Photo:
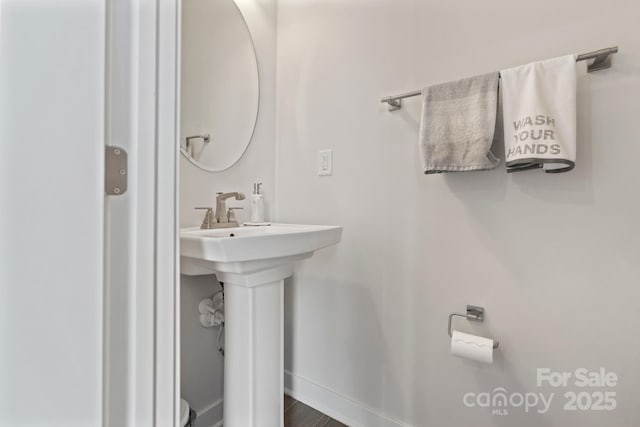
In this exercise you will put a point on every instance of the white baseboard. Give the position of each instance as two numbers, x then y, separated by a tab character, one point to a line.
210	416
339	407
336	405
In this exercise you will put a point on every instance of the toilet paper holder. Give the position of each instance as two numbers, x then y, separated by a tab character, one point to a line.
473	313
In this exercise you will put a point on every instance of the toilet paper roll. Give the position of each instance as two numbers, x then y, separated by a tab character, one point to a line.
472	347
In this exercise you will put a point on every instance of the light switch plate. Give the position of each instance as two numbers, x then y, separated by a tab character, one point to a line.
325	162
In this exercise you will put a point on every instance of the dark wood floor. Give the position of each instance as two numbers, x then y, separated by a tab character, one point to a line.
297	414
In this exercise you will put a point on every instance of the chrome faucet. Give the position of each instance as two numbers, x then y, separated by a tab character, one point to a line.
222	217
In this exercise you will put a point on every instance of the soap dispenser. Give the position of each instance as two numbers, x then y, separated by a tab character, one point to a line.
257	204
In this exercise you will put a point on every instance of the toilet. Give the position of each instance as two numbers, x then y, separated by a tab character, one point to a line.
186	419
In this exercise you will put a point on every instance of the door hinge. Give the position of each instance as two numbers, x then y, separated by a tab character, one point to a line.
115	183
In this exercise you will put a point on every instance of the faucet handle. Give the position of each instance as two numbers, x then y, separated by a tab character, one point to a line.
208	220
231	216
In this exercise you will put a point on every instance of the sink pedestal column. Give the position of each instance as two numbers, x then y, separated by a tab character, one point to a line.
253	361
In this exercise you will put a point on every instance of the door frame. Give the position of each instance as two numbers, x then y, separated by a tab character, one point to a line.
141	375
167	304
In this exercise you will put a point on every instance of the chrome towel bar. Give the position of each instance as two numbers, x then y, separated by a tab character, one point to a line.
602	61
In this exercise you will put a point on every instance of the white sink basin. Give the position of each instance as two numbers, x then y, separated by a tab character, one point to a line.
244	250
253	262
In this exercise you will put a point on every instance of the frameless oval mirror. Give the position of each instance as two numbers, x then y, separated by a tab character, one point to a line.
219	84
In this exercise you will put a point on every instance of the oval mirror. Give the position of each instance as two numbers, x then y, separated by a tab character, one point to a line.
219	84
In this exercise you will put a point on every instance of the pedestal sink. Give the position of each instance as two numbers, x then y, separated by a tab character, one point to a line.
253	262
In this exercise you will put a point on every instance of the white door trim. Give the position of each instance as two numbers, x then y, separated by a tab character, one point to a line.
141	340
167	396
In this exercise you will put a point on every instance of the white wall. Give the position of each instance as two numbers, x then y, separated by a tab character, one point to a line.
201	365
51	215
197	187
552	258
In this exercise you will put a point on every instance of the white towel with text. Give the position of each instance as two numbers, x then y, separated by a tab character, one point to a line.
539	112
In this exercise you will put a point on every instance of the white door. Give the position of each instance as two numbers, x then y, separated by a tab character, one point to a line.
87	283
52	86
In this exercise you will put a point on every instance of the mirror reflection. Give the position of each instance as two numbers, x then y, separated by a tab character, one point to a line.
219	84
